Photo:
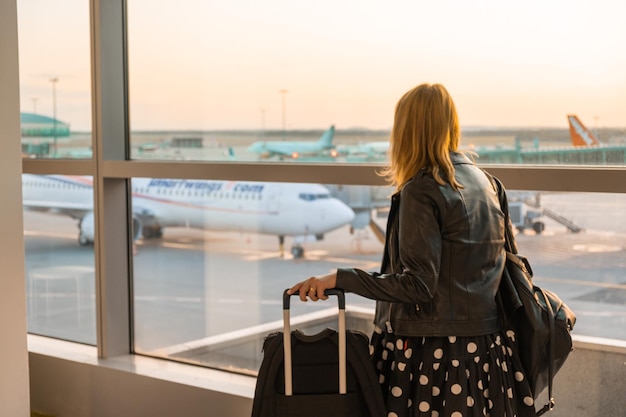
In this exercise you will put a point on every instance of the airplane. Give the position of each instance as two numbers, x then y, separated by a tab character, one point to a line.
580	135
300	211
294	150
588	149
375	151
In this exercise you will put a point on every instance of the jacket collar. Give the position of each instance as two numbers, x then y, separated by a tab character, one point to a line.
459	158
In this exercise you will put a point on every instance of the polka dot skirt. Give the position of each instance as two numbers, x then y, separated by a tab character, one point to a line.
451	376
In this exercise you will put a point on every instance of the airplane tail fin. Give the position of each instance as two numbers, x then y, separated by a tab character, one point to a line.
326	140
580	135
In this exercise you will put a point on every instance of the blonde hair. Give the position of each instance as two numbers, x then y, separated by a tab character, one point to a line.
425	130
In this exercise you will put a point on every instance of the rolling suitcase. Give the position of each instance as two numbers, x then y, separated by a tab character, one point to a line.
326	374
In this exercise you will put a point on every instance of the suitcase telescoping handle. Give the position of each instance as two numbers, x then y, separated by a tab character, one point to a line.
341	298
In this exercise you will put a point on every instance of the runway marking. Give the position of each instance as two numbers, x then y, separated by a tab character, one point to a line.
169	298
585	283
260	256
271	302
177	245
596	248
312	255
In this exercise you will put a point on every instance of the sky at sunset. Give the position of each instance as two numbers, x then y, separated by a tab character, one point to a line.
200	64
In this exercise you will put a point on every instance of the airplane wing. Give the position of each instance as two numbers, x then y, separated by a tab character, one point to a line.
75	211
58	205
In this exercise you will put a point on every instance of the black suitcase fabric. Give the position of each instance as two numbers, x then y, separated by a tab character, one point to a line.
315	370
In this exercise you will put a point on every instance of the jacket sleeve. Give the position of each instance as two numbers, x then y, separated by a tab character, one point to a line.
414	277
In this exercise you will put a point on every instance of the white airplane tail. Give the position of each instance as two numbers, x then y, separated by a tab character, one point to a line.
580	135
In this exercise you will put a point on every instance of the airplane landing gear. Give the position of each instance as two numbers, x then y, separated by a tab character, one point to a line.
297	251
538	227
281	245
83	240
152	232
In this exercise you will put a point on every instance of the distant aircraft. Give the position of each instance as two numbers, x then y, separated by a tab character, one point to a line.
300	211
375	151
294	150
580	135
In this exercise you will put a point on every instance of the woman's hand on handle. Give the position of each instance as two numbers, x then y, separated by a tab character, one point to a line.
314	287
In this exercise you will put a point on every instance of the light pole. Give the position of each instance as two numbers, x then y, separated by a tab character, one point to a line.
54	80
34	99
283	92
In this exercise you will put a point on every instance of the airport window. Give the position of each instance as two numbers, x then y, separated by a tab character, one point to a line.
577	251
200	278
55	81
195	317
60	270
55	89
566	236
299	109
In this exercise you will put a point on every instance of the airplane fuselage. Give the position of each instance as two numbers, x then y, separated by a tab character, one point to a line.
271	208
283	209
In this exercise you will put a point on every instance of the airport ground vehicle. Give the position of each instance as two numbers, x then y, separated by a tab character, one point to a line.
525	217
530	214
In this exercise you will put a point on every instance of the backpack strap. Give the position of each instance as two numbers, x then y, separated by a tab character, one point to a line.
509	238
510	245
550	405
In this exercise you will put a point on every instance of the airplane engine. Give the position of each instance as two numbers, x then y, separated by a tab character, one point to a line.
87	231
86	235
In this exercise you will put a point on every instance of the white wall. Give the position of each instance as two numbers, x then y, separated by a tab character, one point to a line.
69	380
64	388
14	388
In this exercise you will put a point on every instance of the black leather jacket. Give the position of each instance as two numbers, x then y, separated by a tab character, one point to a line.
443	258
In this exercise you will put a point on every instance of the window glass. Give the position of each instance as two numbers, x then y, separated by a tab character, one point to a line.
55	83
59	256
215	257
263	81
209	272
575	243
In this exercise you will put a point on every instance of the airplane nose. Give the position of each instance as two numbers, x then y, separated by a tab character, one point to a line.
342	214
